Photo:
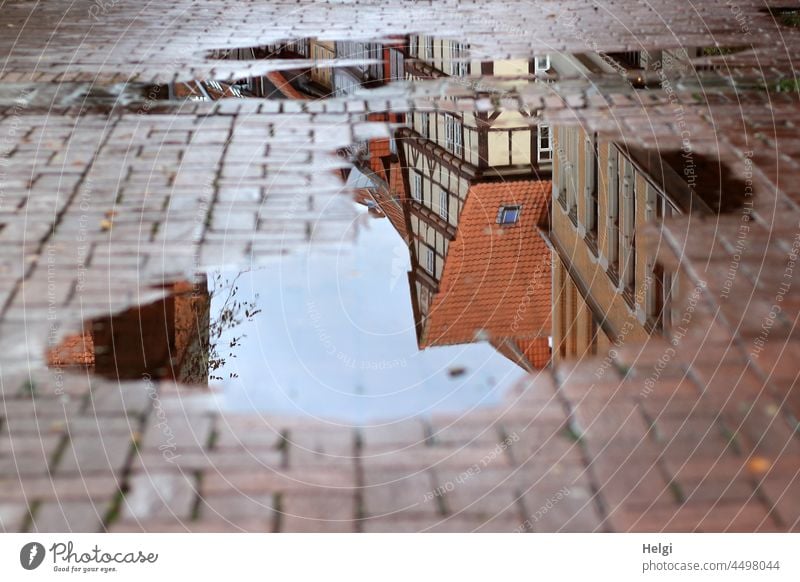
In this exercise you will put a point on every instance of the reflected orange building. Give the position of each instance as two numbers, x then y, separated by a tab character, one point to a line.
466	192
168	338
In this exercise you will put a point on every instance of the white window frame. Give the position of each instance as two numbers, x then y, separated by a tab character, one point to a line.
613	204
541	64
544	154
444	200
458	68
453	135
416	187
591	190
425	123
628	226
429	48
430	260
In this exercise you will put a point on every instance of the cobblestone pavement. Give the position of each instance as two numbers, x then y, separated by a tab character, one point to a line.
107	192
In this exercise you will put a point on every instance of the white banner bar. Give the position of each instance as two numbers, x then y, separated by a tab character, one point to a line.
400	557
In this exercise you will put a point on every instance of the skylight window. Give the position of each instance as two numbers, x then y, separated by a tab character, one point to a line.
508	215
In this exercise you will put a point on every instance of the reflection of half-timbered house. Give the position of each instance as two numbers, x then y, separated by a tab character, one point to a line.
492	163
494	283
608	285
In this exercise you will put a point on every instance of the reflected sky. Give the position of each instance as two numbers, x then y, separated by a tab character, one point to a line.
335	339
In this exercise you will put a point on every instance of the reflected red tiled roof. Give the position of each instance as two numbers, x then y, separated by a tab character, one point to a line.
537	351
283	86
496	279
530	354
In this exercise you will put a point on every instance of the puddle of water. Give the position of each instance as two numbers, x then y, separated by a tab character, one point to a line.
335	338
316	68
464	273
321	334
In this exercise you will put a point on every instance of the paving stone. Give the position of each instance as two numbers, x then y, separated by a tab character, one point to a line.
163	496
68	517
309	512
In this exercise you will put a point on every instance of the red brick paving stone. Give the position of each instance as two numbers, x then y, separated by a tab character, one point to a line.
319	480
694	436
178	433
543	444
707	479
130	398
243	511
318	512
121	426
247	432
34	425
27	455
465	431
762	432
85	455
507	522
783	496
491	496
160	496
524	413
735	516
637	478
215	461
397	434
678	397
402	523
309	447
47	408
201	526
12	516
387	491
70	516
20	489
423	456
534	469
603	420
560	507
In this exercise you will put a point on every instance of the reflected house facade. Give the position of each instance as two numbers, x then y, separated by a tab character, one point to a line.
165	339
607	285
471	187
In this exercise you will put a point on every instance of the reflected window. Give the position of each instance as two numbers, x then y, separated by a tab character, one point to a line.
416	188
592	179
545	143
458	65
430	260
508	215
612	215
454	134
428	47
425	123
541	64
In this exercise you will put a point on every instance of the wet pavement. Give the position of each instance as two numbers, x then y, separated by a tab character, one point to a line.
341	283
